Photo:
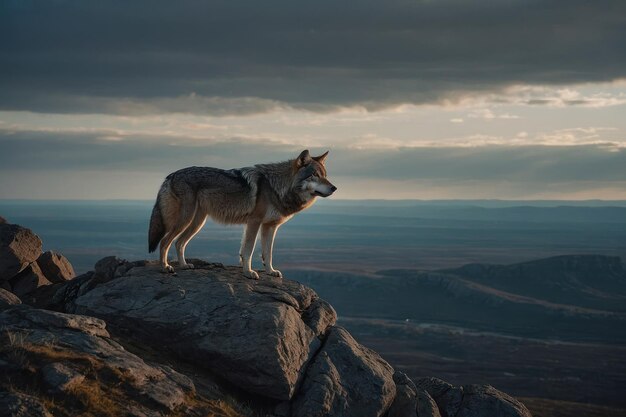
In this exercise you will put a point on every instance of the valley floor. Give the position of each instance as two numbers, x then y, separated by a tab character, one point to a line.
553	379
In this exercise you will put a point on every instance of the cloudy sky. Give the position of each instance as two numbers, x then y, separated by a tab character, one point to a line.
454	99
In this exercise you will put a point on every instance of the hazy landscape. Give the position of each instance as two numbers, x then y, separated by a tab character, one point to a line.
350	236
419	282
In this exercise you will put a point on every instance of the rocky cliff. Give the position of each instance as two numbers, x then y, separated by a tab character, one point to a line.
126	339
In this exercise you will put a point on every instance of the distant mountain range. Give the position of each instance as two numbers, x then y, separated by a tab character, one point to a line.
574	297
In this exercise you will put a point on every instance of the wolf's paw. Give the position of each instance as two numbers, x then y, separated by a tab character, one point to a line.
168	269
186	266
275	273
251	274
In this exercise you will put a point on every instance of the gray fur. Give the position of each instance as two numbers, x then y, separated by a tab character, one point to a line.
262	197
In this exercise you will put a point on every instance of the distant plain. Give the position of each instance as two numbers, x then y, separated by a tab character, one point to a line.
348	235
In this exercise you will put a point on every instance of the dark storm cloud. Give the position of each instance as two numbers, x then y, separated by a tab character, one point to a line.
58	55
53	151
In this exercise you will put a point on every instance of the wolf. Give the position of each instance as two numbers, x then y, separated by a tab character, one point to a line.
263	197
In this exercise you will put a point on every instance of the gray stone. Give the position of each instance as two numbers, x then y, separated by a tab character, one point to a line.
435	386
426	406
405	403
258	335
105	267
345	379
28	280
3	220
55	267
471	400
26	317
113	267
86	355
62	299
485	400
8	299
60	377
19	247
400	378
447	396
319	316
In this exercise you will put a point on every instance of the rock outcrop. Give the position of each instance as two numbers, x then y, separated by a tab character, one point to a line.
78	363
471	400
23	267
55	267
259	335
28	280
19	247
345	378
272	342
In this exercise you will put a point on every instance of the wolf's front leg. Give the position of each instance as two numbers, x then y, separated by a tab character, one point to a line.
268	232
247	247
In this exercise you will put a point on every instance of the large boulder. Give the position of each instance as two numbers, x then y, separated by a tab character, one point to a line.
345	379
28	280
19	247
471	400
73	358
405	402
259	335
55	267
426	405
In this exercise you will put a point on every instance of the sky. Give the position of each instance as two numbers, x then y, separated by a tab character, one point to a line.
421	99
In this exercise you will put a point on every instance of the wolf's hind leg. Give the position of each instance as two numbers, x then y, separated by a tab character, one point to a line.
182	241
185	216
268	232
247	247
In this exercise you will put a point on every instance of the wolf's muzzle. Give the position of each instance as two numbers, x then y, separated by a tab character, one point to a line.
331	190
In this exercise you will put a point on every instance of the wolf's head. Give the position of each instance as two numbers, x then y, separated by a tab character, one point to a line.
311	175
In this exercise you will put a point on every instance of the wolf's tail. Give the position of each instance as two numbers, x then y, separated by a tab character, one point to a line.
157	228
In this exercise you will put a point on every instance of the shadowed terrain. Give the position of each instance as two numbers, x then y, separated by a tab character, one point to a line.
553	328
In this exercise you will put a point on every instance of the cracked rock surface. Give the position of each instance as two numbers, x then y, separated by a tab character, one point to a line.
258	335
345	379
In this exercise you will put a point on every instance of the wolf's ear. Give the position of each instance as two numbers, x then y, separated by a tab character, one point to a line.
304	158
321	158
